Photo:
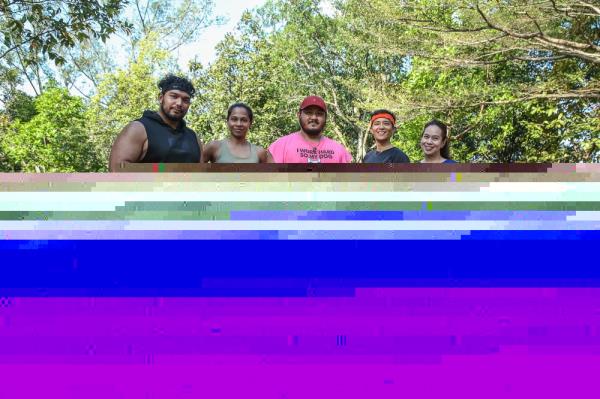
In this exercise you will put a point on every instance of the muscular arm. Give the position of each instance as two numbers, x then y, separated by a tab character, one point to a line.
128	146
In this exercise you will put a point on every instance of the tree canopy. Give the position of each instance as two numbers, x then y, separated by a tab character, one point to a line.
47	26
516	81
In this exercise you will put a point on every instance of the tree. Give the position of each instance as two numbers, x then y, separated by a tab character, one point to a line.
54	140
67	40
10	79
281	53
541	37
5	127
250	69
48	26
123	95
517	81
19	106
175	23
36	35
172	24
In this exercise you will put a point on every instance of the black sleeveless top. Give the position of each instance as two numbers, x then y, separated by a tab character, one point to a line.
166	144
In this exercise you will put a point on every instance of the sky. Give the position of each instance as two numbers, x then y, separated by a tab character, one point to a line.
204	48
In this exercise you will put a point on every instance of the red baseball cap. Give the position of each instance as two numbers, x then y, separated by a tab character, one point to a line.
313	100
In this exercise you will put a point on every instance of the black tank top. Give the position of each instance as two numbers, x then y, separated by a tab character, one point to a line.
166	144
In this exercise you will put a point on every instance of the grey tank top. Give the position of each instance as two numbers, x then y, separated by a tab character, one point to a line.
225	155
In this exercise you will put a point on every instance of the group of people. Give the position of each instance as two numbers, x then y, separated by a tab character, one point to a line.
163	136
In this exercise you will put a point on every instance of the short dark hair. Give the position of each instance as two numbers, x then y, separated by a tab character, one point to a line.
383	111
445	150
241	105
173	82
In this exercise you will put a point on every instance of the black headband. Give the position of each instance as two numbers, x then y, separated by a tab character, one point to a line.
175	86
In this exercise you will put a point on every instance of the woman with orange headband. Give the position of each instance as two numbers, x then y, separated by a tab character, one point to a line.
383	126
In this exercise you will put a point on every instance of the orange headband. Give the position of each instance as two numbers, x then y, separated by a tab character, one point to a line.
383	115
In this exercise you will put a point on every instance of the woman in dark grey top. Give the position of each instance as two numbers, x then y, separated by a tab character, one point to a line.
235	148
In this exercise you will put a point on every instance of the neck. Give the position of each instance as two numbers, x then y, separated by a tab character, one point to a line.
308	137
434	158
237	140
168	121
382	146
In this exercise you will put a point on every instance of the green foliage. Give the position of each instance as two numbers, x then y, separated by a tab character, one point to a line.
246	70
46	27
173	23
54	140
281	53
123	95
488	121
501	106
5	128
20	106
176	23
515	81
10	79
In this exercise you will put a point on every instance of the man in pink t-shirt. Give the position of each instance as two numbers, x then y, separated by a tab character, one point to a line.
309	145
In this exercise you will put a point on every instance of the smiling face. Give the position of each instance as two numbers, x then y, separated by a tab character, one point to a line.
432	141
382	130
312	120
239	122
174	104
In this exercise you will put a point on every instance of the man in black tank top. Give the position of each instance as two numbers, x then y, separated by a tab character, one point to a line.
161	136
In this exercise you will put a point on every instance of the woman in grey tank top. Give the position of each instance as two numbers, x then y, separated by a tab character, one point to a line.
235	148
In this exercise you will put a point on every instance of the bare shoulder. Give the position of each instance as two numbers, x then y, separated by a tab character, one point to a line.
134	130
129	146
213	145
209	151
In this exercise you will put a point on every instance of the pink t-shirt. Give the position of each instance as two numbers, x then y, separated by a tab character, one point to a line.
293	148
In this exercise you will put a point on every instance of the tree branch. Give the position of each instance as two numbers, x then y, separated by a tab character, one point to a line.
24	69
564	46
583	94
139	12
590	6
